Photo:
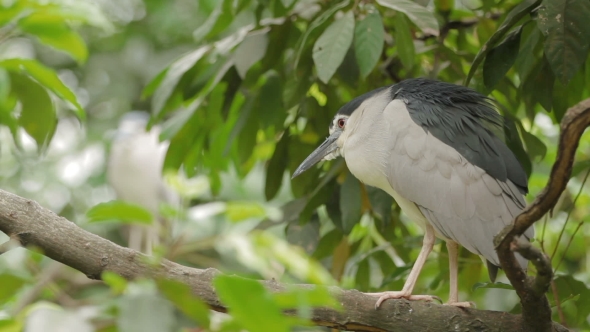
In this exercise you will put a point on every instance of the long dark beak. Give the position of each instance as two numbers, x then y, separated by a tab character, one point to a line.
318	154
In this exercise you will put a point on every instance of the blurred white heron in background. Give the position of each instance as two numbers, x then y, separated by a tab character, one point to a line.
135	172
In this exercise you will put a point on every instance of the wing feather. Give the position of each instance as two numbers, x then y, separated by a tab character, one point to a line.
459	199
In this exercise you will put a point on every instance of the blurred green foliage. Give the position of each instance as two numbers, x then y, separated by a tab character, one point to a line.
244	91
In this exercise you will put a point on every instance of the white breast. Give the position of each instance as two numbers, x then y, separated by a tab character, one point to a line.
367	151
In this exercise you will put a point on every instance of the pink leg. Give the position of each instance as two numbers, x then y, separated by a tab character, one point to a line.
453	249
406	291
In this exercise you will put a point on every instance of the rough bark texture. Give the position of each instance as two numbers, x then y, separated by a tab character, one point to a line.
535	307
63	241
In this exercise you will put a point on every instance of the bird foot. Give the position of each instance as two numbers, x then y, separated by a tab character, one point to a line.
461	304
383	296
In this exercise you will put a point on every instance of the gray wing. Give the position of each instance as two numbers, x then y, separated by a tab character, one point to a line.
460	200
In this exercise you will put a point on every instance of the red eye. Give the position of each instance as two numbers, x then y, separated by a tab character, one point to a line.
341	123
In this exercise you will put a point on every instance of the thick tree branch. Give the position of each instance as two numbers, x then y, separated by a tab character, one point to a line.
536	311
65	242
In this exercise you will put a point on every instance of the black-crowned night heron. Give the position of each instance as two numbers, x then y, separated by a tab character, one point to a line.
135	173
430	145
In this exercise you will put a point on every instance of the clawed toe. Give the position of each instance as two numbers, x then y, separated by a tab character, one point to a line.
402	295
461	304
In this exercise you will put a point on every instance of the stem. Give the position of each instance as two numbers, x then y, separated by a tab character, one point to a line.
557	302
568	216
568	245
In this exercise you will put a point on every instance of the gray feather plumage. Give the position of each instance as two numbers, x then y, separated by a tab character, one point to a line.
461	118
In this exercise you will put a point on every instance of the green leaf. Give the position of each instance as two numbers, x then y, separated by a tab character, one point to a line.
569	288
317	199
566	96
534	146
276	168
172	76
396	275
189	188
151	87
10	325
368	41
305	236
47	77
539	86
250	51
4	85
328	243
444	6
221	17
188	135
565	26
248	129
580	166
323	17
501	58
350	202
7	103
117	283
330	49
297	297
495	285
363	275
380	203
37	115
52	30
261	314
190	305
348	72
11	284
513	140
404	42
515	15
333	209
279	39
422	17
11	12
296	262
270	103
525	60
124	212
238	211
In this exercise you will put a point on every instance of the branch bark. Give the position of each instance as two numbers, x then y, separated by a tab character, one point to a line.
63	241
535	307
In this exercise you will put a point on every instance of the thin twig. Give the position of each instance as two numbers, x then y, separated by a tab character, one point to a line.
461	24
568	216
46	276
557	303
568	244
542	241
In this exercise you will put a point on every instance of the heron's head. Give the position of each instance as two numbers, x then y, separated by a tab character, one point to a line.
340	127
132	124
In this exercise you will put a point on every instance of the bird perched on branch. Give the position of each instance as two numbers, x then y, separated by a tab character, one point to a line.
431	145
135	173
